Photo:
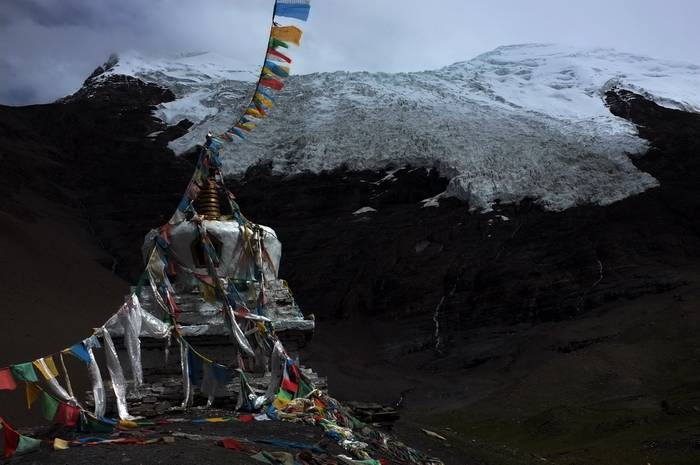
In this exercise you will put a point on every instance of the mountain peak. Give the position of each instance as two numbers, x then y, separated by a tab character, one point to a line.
520	121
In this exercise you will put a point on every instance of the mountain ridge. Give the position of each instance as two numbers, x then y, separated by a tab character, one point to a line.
479	313
480	123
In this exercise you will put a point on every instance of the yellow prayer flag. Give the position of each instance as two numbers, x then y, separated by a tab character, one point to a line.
286	33
156	268
60	444
252	111
128	424
267	70
49	364
267	102
209	294
33	393
214	420
280	404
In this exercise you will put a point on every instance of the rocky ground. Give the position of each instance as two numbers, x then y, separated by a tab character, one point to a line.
183	441
533	336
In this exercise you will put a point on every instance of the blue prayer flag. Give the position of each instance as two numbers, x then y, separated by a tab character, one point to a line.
293	10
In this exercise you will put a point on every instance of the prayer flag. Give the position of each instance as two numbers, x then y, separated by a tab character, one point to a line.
269	97
215	379
304	389
60	444
79	351
50	365
33	393
220	373
17	444
231	443
7	381
25	372
260	108
274	68
277	43
89	424
194	365
49	406
27	445
251	110
290	378
275	55
209	295
258	97
283	398
184	204
67	414
274	84
11	440
296	10
95	341
192	190
286	33
128	424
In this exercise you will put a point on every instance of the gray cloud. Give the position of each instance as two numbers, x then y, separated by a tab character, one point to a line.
49	47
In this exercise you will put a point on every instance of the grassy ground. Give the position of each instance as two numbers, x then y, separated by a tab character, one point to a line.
631	398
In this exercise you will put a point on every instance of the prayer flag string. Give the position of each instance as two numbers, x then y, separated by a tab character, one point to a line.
272	76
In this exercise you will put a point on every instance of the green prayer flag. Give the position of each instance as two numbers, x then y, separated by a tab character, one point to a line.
304	389
25	371
264	458
49	406
284	394
27	445
142	279
90	424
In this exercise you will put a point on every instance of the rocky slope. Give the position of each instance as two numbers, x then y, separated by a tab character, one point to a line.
400	286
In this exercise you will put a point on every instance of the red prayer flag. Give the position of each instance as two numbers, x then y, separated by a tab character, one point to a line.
277	54
231	443
7	381
290	379
68	415
260	108
126	441
272	83
11	440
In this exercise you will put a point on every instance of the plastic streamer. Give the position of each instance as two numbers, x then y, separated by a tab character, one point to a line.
237	333
131	321
116	373
98	388
189	395
55	387
278	358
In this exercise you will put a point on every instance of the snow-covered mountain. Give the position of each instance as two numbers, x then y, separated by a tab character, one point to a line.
522	121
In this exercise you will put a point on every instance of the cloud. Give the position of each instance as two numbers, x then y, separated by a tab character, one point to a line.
49	47
65	13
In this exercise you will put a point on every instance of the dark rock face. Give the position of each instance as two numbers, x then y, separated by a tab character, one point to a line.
94	153
478	269
515	264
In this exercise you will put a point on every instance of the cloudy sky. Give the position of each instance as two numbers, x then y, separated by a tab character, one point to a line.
49	47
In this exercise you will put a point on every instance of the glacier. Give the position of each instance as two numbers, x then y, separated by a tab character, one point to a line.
521	121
